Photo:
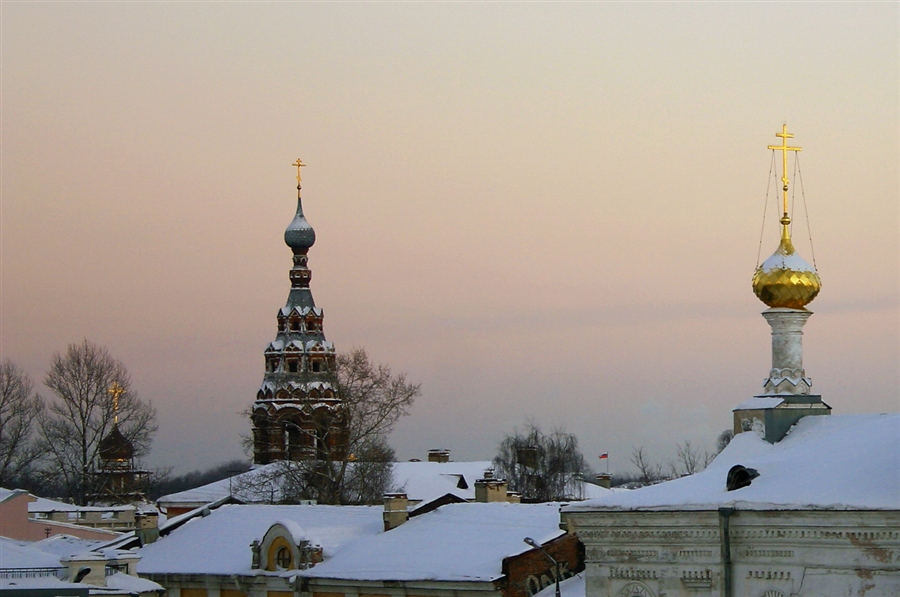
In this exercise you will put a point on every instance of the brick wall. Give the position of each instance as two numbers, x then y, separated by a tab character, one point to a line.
529	572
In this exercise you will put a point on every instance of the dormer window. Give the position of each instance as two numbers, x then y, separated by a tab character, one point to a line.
316	366
292	366
295	326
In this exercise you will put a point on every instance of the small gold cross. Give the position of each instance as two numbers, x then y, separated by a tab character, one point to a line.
783	148
299	165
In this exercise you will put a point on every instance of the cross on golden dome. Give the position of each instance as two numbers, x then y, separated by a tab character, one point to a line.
116	390
784	148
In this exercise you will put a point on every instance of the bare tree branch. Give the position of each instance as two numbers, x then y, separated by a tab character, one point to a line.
542	467
19	406
359	470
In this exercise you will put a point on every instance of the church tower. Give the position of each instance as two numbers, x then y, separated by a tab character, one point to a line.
298	413
786	283
118	480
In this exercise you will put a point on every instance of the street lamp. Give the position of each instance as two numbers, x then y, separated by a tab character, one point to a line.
535	545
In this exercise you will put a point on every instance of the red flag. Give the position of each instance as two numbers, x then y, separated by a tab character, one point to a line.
604	455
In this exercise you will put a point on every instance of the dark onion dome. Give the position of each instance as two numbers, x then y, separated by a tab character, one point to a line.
116	446
299	234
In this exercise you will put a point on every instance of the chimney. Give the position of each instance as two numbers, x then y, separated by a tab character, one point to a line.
147	526
396	510
437	455
489	489
604	480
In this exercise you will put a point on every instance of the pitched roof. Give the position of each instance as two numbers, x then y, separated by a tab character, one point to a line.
220	542
836	462
457	542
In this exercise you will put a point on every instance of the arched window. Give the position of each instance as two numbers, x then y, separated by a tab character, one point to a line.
283	558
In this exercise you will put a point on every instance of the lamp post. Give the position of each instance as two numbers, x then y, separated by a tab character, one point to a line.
535	545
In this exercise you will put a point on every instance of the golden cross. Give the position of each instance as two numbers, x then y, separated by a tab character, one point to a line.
116	390
783	148
299	165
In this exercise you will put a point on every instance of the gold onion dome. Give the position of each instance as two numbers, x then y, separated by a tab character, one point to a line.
785	280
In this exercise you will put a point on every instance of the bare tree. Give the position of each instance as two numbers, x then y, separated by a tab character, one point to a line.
649	471
83	414
359	469
541	467
689	460
19	406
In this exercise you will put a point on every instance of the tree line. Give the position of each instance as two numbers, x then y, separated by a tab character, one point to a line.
51	447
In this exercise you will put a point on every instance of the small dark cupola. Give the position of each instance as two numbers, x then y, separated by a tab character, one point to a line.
116	447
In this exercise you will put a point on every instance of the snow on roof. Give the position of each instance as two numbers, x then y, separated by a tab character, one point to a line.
5	493
206	494
456	542
592	490
425	481
760	402
570	587
21	554
421	481
220	543
836	462
66	545
132	585
47	505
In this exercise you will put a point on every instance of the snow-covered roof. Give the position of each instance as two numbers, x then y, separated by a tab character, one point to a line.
456	542
46	554
6	494
836	462
211	492
220	542
66	545
47	505
22	554
425	481
120	582
760	402
421	481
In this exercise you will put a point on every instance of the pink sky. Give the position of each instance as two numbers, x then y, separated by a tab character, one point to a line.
546	211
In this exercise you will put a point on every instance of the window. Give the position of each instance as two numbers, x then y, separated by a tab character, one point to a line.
283	558
295	326
292	366
316	366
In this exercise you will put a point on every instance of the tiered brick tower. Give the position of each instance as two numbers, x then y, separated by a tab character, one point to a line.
298	413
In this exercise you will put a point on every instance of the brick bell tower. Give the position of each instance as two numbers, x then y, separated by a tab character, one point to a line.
298	413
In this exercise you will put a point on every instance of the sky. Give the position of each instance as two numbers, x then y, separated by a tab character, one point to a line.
544	212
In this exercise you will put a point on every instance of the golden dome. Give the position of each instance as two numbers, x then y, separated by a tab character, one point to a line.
785	280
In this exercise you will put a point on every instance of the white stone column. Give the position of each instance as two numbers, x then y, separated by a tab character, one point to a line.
787	375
